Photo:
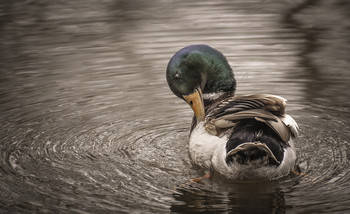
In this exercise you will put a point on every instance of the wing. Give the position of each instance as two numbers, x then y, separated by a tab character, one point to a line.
269	109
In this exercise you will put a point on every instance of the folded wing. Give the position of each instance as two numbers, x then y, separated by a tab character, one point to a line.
269	109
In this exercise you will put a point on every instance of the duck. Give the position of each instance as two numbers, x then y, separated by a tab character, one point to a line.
242	137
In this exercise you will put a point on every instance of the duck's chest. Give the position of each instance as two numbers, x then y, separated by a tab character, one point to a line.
203	146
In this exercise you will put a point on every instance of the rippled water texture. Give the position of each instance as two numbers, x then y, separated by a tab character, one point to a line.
89	125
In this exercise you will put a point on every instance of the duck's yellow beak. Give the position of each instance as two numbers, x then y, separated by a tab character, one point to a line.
195	100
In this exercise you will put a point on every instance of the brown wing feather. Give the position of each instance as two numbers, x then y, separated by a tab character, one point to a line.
272	103
261	107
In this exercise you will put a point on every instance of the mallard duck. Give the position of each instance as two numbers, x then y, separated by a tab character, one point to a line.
240	137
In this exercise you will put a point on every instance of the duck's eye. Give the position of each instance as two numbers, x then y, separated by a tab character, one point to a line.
176	76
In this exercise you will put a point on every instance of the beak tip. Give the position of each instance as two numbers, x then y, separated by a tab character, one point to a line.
200	118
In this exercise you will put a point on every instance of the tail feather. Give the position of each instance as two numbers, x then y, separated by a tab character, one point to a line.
254	141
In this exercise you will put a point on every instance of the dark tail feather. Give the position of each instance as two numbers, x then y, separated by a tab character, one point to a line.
254	141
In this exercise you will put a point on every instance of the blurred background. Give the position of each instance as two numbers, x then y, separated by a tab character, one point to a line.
89	125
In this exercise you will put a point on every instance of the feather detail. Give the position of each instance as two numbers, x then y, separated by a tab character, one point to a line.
272	103
261	107
290	122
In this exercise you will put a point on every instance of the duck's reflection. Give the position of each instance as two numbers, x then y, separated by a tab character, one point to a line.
217	195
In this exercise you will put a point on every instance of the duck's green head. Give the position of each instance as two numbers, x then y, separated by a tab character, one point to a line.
198	69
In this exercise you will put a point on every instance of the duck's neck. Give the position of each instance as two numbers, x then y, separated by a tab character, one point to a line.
218	96
219	79
212	100
218	75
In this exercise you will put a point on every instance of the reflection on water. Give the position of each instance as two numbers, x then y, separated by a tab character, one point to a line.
223	195
88	123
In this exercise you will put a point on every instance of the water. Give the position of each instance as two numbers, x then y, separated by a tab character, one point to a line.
88	124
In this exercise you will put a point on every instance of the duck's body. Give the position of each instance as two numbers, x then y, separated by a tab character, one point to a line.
241	137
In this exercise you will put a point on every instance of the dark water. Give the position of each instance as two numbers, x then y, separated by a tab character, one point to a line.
88	124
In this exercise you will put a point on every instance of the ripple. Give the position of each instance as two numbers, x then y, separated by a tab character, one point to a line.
98	159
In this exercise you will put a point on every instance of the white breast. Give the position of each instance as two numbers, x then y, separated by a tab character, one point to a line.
203	145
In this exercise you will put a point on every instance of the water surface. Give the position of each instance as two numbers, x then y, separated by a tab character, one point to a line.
89	125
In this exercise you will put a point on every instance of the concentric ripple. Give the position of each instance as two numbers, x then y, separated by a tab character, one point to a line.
90	167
